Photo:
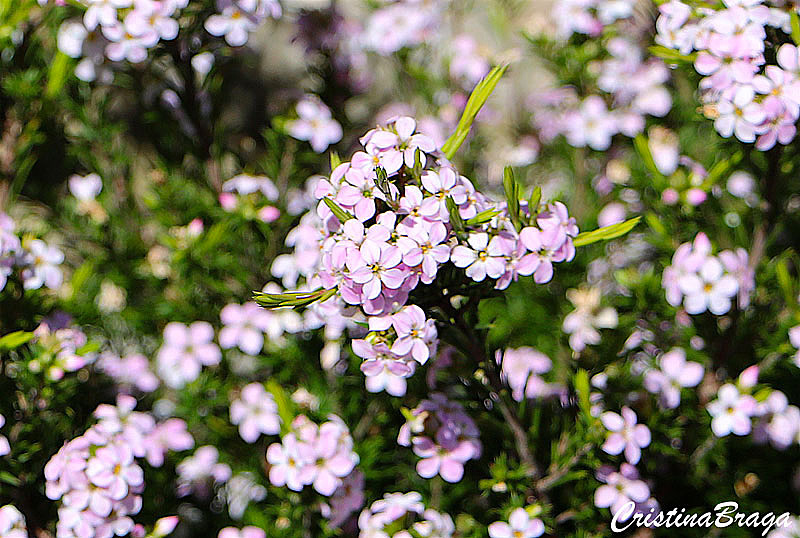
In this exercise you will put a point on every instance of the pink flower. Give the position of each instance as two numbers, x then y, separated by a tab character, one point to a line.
520	525
521	368
244	327
625	435
731	411
315	124
5	448
12	523
245	532
197	471
415	333
129	371
482	258
442	185
675	373
168	435
374	266
255	412
185	350
620	488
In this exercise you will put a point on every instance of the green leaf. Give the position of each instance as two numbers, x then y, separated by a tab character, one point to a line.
482	217
671	55
795	20
533	201
292	299
643	149
720	168
335	161
15	340
455	217
9	478
59	69
285	408
338	212
512	196
605	233
581	381
476	101
785	280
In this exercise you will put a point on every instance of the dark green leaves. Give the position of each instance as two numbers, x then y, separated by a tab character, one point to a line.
512	189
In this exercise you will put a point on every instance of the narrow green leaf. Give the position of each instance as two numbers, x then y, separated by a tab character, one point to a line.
581	381
59	68
606	233
335	161
15	340
512	196
671	55
338	212
477	99
643	149
795	20
785	280
455	217
482	217
292	299
285	408
533	202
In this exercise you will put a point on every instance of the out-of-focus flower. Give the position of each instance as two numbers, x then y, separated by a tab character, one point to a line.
401	514
256	412
521	370
582	323
63	348
12	523
85	188
347	499
41	265
236	19
520	525
186	349
675	373
731	411
315	124
129	371
198	472
5	448
620	488
443	435
240	491
244	327
245	532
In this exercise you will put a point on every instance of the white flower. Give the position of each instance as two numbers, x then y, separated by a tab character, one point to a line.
709	289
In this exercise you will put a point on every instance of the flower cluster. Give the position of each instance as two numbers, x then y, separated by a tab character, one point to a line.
589	17
745	96
12	522
62	348
311	454
238	18
402	515
443	435
635	86
703	281
38	263
255	412
98	482
118	30
386	222
245	194
401	24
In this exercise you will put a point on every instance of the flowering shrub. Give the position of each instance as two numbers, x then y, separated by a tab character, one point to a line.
410	268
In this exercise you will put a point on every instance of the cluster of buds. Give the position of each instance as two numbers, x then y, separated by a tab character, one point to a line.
311	454
62	348
702	281
443	435
387	222
37	262
403	515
